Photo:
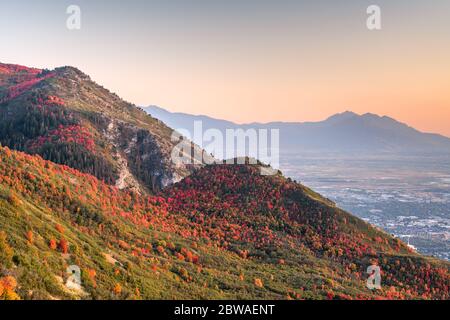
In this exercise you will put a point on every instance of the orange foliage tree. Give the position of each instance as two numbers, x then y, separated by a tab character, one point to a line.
63	245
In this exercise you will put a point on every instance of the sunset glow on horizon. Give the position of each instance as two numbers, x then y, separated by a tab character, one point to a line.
250	61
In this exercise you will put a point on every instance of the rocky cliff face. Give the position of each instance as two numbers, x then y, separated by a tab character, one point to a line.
65	117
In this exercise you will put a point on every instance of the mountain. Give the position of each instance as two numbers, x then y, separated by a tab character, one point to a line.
343	133
67	118
225	232
92	207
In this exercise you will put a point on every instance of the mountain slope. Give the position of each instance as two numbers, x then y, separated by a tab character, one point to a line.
224	232
343	133
65	117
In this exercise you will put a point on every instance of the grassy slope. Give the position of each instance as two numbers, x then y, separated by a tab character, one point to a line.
150	238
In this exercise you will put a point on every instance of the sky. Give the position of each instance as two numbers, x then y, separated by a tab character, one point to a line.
249	60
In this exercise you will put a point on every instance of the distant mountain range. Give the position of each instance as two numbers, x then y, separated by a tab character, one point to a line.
342	133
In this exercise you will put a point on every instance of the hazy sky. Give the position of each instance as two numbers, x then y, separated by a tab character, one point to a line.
249	60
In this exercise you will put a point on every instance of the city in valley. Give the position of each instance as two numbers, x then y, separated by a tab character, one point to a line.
408	197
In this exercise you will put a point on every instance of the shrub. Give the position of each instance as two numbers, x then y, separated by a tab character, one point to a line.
259	283
6	252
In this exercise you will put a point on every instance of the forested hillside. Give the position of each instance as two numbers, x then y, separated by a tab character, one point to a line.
224	232
67	118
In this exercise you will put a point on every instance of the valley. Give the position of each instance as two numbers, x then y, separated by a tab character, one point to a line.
406	196
400	184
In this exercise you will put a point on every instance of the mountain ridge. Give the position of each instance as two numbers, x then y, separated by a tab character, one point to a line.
66	117
340	133
338	116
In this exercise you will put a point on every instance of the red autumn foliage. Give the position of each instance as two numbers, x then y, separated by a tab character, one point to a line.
117	289
52	244
179	256
52	100
7	286
92	274
224	207
237	204
14	68
30	237
18	89
160	249
66	134
63	246
259	283
59	228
